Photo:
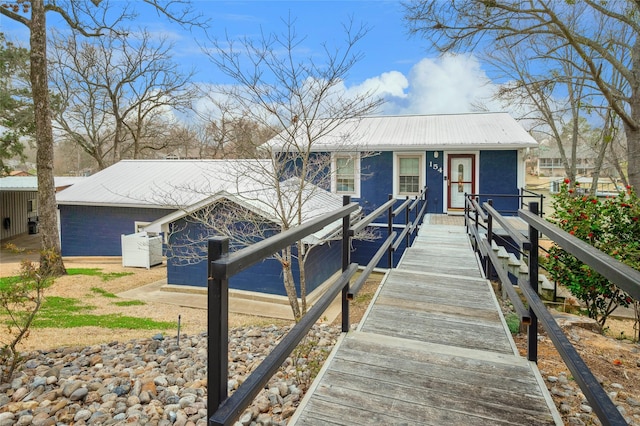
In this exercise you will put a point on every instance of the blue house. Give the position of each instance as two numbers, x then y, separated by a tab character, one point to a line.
375	157
180	199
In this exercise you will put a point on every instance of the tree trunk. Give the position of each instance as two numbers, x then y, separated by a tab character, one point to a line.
303	276
616	163
632	129
50	258
633	153
289	283
607	139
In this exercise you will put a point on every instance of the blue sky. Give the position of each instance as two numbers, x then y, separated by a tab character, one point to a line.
396	65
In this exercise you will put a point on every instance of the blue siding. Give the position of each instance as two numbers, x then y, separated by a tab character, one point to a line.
377	180
322	262
435	179
499	175
363	251
97	231
265	277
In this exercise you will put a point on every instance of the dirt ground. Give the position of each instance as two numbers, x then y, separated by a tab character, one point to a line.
193	321
614	363
79	287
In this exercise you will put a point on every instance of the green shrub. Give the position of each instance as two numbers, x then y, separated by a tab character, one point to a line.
611	225
20	301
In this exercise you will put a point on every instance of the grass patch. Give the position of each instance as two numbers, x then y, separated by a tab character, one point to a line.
61	312
84	271
130	303
513	322
6	282
113	275
97	272
103	292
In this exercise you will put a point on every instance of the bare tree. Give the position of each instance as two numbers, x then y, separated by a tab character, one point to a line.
90	18
301	99
16	106
602	36
119	92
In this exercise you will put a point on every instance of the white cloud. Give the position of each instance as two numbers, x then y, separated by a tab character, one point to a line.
389	84
449	84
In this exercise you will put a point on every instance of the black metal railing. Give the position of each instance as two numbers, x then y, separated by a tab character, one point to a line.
521	200
223	409
527	196
627	278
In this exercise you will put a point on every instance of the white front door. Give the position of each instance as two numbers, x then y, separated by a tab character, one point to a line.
461	179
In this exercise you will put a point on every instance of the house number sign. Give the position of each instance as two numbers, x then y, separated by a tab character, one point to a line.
435	166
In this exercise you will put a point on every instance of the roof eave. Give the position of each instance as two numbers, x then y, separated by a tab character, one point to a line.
125	205
466	147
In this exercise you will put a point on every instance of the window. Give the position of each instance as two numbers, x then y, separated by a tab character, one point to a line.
346	174
345	177
32	207
409	174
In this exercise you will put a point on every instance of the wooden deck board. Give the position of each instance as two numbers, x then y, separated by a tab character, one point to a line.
433	349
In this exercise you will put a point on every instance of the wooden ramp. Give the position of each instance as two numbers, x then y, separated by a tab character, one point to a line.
433	349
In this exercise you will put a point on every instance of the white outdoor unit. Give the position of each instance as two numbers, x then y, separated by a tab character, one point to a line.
141	250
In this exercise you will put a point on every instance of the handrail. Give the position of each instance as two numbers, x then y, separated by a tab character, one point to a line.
398	240
520	195
477	208
522	312
242	259
372	216
598	399
532	195
232	407
624	276
355	288
402	206
223	410
521	240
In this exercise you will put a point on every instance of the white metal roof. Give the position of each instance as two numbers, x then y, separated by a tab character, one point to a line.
162	183
189	185
487	130
30	183
263	200
19	183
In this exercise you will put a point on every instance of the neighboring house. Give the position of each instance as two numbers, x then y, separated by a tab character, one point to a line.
164	196
549	161
450	154
19	203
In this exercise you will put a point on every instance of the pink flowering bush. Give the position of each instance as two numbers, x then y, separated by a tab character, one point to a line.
611	225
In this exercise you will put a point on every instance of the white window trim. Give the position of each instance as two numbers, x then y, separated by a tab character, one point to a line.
357	175
138	225
396	170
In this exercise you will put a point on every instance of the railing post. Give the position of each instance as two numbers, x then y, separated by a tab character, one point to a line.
476	224
390	230
521	198
541	205
346	260
532	334
488	269
406	223
217	327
